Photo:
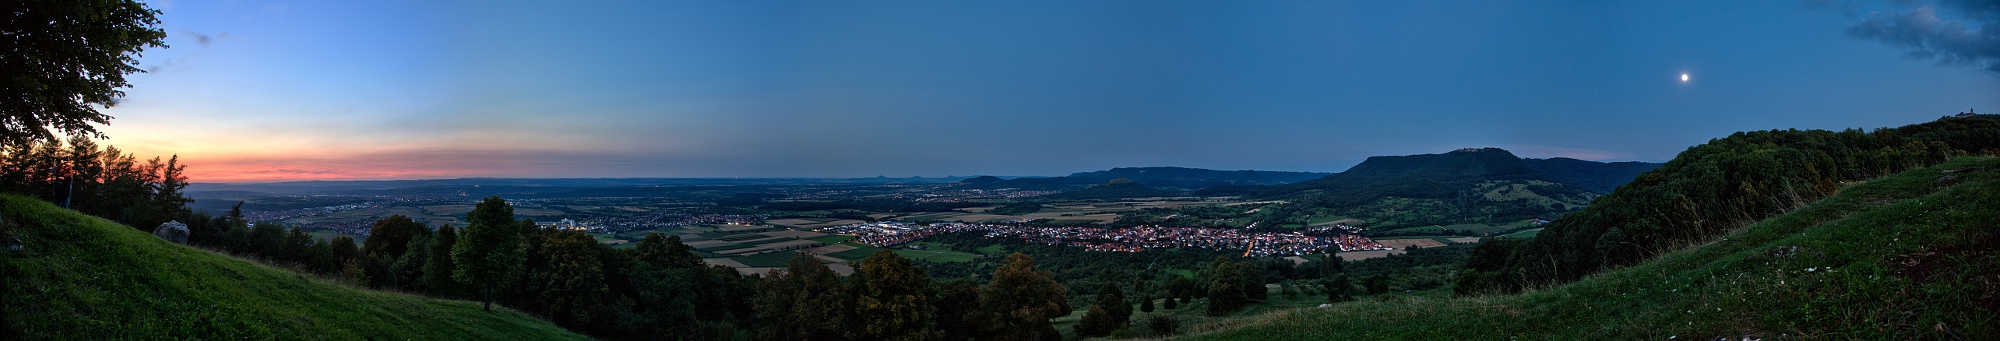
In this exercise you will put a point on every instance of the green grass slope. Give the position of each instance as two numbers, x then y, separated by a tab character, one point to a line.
82	278
1911	256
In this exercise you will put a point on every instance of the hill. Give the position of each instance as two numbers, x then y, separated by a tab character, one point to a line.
1157	177
1909	256
1597	177
1717	187
78	277
1465	185
1114	189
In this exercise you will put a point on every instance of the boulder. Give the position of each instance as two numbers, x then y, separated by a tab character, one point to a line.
173	231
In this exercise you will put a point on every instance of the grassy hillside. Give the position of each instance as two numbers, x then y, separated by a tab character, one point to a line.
1911	256
82	278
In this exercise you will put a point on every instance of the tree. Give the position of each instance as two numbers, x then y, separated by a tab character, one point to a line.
890	302
958	313
489	250
573	288
264	239
168	202
668	282
1226	291
295	246
63	58
665	252
803	301
1337	289
344	249
1253	282
439	268
320	258
408	269
1020	301
387	246
389	238
1146	303
1182	288
1110	313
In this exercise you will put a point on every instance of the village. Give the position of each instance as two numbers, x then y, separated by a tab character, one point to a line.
1134	239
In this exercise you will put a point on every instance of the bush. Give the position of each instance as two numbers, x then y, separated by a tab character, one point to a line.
1163	325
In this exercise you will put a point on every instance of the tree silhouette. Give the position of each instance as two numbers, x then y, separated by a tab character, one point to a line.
64	58
1020	301
489	250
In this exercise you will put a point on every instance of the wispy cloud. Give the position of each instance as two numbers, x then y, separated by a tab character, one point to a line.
1960	33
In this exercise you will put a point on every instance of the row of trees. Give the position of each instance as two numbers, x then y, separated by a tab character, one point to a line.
100	181
1713	188
659	289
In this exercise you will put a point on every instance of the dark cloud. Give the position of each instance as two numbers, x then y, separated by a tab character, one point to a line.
204	40
1964	33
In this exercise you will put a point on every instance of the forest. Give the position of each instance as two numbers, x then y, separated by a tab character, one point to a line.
1714	188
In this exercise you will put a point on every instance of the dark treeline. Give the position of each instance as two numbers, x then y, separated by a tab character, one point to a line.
660	289
105	182
1713	188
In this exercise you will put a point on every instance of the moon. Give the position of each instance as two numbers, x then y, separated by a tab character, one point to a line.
1684	77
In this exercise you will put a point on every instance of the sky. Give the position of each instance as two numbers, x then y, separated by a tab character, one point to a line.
304	90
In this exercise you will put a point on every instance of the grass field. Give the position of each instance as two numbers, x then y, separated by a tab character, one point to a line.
84	278
833	239
859	252
1420	229
941	256
1329	220
1900	257
993	250
767	259
1523	234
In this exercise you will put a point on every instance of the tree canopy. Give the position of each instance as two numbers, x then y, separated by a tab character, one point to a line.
488	251
63	58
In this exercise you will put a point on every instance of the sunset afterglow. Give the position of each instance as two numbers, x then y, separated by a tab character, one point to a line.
265	91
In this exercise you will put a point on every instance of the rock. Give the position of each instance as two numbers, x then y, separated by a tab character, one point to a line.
173	231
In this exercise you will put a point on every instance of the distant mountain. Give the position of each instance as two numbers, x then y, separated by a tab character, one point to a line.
1155	177
1115	189
1472	184
1599	177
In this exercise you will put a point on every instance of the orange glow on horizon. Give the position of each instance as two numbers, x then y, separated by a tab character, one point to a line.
251	169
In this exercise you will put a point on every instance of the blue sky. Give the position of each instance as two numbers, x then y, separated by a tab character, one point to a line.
257	90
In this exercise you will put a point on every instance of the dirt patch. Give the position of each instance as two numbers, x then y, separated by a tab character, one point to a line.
1964	263
830	249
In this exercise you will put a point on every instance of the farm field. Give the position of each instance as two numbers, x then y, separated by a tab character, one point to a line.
1327	220
1360	255
1524	234
1406	243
